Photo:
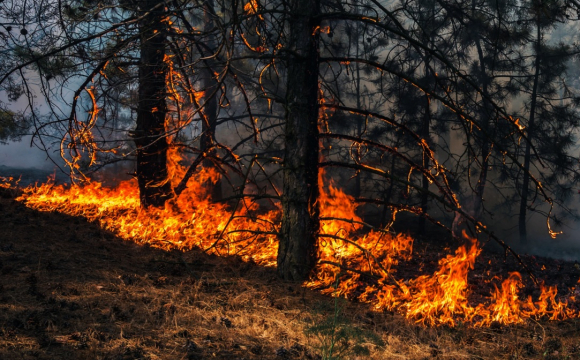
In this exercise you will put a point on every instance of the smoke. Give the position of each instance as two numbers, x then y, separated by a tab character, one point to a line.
566	246
22	154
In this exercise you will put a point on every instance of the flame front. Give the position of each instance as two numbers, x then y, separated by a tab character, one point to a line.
354	263
192	221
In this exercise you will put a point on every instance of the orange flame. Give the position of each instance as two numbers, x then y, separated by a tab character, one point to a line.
353	263
443	296
193	220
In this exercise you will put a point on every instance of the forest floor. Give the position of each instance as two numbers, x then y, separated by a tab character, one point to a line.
70	290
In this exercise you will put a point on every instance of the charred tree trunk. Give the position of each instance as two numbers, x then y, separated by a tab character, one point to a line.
208	85
300	219
527	154
149	134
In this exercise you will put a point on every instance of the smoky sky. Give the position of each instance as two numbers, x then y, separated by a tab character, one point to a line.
20	154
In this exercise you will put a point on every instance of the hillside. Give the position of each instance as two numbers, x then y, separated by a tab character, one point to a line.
69	290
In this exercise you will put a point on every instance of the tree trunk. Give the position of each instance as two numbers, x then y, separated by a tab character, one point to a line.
359	120
527	155
485	116
358	185
426	123
474	204
300	219
149	134
387	195
208	85
426	135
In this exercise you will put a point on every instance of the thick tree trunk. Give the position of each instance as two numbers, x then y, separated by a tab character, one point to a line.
149	134
208	85
300	219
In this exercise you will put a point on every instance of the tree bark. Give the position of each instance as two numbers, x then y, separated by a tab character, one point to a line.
149	134
300	219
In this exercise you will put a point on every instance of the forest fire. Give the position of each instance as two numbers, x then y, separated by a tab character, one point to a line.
456	123
353	263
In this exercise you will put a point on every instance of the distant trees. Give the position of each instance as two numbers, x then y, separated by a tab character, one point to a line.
487	45
12	125
550	110
13	122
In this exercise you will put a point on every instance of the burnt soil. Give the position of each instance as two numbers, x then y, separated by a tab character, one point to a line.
70	290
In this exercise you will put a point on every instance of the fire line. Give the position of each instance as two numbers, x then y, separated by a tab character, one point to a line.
347	253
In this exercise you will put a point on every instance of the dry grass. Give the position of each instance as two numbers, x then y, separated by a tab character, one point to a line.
69	290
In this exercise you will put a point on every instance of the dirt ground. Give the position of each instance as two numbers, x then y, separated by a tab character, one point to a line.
69	290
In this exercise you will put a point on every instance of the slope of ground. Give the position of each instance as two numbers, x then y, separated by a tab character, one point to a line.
28	176
69	290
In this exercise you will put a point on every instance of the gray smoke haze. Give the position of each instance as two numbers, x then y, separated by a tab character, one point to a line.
19	154
565	246
29	164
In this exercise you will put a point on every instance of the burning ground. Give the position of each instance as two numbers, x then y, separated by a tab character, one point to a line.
355	260
70	289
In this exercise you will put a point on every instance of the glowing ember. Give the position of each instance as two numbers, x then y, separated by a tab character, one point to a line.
353	263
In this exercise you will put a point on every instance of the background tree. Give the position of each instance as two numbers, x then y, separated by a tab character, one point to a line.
551	121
